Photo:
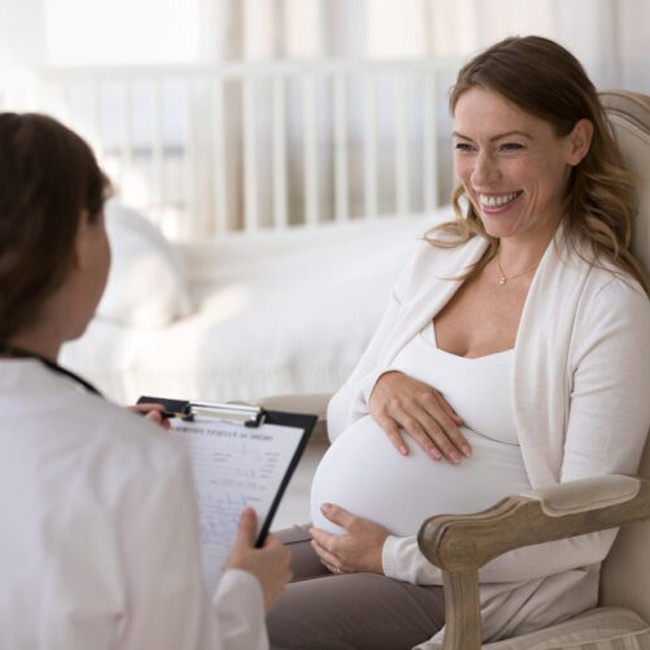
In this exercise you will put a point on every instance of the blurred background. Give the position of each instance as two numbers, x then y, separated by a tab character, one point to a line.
274	162
205	110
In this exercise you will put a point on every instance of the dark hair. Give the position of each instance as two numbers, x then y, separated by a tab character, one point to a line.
547	81
48	178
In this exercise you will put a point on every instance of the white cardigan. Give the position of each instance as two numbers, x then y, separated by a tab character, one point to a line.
581	382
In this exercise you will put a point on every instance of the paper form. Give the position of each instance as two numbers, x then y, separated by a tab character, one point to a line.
234	467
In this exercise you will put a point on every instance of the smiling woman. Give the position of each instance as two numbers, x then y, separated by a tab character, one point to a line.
554	133
515	179
513	354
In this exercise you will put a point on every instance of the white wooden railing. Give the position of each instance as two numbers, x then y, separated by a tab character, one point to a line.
206	150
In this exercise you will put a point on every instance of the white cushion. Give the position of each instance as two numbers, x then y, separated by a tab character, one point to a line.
604	628
280	313
146	286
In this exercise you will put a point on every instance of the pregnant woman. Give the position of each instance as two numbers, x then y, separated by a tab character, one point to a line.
513	355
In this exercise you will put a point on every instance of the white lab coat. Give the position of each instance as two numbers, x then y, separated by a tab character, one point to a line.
100	537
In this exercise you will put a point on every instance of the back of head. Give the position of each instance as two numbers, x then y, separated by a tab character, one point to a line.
545	80
48	178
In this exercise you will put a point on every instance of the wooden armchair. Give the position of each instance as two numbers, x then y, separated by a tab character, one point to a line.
460	545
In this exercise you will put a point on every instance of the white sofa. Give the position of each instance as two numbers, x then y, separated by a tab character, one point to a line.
241	317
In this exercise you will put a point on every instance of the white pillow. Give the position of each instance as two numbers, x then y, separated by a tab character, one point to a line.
146	285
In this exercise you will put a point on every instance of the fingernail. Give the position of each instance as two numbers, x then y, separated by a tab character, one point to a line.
455	458
466	449
404	451
434	453
325	507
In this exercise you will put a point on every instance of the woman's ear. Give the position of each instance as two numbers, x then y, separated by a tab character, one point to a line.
580	141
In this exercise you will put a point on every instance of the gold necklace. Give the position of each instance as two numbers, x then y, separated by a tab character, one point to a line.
503	279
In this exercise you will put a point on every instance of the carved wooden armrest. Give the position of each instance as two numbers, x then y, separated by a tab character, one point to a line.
315	403
460	545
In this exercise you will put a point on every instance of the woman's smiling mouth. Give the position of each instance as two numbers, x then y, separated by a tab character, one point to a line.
492	203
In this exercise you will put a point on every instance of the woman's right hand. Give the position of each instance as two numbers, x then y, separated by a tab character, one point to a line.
399	402
270	564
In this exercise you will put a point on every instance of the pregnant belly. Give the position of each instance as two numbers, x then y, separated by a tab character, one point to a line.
365	474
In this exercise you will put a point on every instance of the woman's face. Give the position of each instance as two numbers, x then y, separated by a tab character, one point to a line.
512	165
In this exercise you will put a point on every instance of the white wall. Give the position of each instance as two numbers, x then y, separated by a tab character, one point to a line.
22	45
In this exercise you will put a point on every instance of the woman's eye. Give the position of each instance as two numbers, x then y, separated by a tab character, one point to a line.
511	146
463	146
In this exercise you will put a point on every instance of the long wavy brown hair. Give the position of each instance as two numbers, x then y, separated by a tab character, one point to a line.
547	81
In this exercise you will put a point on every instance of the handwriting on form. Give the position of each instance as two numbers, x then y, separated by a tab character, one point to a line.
233	467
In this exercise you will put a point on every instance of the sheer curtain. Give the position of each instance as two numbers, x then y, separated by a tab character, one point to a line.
609	36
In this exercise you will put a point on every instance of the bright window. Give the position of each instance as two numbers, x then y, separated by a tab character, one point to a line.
117	32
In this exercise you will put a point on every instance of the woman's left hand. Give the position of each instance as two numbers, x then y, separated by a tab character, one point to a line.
151	412
359	550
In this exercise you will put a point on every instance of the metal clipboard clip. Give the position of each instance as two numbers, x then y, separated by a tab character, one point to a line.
250	415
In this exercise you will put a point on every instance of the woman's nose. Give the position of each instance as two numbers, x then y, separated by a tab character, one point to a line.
486	170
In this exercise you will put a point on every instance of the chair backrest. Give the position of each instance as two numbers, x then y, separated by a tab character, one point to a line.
626	572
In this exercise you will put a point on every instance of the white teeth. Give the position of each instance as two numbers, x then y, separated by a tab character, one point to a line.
497	201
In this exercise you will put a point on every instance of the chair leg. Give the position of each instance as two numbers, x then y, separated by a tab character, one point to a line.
462	610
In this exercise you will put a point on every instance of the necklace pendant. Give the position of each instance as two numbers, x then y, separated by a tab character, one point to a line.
502	280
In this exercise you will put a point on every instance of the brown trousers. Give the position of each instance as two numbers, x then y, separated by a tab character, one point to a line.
354	611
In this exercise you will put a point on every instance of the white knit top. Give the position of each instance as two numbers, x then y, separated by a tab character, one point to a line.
365	474
580	381
478	389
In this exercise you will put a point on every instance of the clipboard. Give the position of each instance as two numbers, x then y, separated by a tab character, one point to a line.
249	422
250	415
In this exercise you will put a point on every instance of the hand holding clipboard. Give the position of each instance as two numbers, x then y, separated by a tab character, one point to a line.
241	456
